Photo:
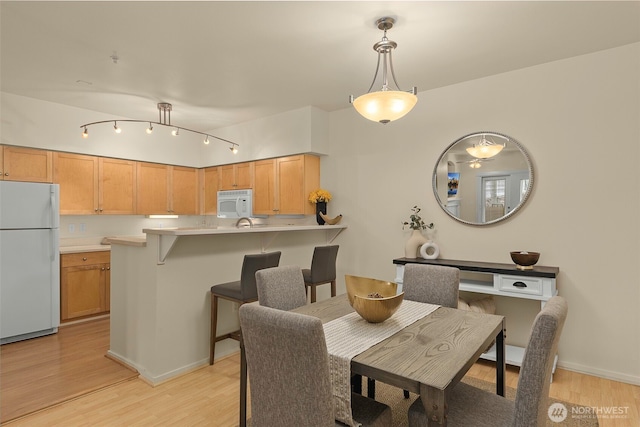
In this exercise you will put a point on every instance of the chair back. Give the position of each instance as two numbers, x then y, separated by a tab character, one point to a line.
323	264
288	368
434	284
531	403
281	287
250	265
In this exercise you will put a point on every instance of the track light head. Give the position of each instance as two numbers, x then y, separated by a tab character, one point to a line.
149	129
116	128
206	140
85	133
233	149
175	132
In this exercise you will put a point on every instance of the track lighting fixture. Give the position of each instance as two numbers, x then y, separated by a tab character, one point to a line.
386	104
164	113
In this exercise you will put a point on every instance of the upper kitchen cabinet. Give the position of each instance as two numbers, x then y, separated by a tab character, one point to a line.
26	164
264	187
236	176
164	189
282	185
95	185
209	190
184	190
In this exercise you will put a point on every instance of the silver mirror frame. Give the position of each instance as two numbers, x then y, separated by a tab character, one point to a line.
509	214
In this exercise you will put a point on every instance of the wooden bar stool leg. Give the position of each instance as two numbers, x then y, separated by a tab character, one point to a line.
214	325
333	288
313	293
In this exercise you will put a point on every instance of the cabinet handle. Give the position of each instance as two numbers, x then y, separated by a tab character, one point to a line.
108	268
102	269
95	210
6	174
84	258
100	209
520	285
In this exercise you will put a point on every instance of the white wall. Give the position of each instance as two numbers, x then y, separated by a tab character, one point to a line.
579	120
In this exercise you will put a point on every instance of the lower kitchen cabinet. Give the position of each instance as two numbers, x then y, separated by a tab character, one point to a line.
84	285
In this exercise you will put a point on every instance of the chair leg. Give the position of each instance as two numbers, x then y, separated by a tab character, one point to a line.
371	388
333	288
313	293
214	325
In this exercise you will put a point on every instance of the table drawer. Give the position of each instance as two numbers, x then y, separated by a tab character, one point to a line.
520	285
85	258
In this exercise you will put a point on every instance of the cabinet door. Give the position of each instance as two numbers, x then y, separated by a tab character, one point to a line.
244	175
152	189
81	291
227	179
107	288
117	189
236	176
1	163
184	190
264	186
78	179
210	191
27	164
295	179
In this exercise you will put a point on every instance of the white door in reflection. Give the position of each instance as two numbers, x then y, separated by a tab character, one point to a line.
500	194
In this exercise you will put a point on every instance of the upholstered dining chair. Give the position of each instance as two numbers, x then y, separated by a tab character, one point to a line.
288	365
323	269
281	287
434	284
241	292
470	406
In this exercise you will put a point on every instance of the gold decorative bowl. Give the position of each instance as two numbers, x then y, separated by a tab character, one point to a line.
525	260
374	310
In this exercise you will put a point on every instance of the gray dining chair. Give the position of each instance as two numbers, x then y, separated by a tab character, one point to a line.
323	269
470	406
288	364
434	284
281	287
240	291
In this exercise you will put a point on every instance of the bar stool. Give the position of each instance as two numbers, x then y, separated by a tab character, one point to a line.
241	291
323	269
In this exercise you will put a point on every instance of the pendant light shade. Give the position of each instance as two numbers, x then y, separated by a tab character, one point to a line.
386	104
485	148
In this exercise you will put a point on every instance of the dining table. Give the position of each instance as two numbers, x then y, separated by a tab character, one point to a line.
427	357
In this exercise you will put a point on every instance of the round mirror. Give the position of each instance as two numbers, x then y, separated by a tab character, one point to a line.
483	178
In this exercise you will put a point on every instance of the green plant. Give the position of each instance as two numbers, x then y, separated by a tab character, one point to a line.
415	221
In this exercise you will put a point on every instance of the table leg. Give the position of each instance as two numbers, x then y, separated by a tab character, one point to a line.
243	386
500	362
435	406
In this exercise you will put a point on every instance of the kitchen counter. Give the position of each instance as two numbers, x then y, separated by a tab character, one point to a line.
160	289
83	248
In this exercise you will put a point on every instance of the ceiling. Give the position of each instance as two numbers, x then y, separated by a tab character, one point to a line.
221	63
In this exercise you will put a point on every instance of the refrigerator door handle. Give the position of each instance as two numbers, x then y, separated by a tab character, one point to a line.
55	216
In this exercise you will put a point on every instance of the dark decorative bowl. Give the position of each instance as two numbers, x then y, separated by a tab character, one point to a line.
525	260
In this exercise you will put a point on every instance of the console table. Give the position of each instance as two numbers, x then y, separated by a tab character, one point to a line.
538	283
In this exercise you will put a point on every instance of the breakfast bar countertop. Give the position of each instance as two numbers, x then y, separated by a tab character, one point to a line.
196	231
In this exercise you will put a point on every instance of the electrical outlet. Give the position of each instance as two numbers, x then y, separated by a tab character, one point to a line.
72	228
83	227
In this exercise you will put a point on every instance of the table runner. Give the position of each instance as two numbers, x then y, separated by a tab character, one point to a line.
351	335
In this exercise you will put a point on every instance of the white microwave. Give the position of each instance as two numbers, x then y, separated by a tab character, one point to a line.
235	203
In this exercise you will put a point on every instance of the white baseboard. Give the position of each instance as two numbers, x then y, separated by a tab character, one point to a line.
602	373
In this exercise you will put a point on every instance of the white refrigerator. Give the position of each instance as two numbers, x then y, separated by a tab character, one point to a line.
29	260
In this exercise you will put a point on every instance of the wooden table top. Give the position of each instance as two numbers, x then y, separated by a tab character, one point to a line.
435	351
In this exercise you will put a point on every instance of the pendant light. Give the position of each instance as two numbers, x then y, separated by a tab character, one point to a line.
386	104
485	148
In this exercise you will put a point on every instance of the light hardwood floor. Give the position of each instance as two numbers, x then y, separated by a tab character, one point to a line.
209	397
